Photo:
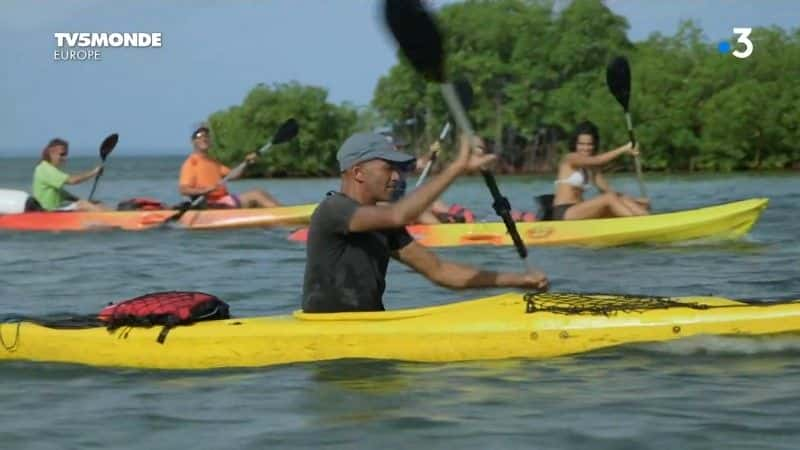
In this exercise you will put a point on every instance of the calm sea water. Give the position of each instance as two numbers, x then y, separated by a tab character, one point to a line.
699	393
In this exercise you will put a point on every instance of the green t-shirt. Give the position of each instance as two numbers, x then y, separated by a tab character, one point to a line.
47	183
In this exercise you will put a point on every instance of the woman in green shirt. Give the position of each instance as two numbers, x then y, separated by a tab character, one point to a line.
49	181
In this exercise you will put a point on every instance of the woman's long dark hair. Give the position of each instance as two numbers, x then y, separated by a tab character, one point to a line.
585	127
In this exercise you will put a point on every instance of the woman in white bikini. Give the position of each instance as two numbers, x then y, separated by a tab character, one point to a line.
581	168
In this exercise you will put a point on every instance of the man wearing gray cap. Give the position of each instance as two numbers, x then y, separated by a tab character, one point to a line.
351	237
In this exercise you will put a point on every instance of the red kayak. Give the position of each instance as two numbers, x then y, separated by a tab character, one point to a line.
208	219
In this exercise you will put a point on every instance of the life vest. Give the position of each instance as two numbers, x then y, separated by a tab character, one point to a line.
456	214
522	216
169	309
545	203
141	204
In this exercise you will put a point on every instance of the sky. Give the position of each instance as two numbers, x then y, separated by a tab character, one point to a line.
215	51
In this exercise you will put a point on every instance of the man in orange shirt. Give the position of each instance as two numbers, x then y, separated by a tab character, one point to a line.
202	175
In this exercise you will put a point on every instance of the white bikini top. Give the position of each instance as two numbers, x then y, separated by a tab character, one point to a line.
578	179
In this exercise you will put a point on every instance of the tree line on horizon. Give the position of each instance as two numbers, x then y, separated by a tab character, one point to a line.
536	72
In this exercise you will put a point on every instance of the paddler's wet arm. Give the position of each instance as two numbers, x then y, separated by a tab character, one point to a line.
413	205
428	218
580	161
81	177
447	273
408	209
238	171
461	276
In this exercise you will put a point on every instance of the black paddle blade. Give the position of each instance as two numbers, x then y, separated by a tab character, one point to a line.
618	77
108	144
464	91
417	35
286	132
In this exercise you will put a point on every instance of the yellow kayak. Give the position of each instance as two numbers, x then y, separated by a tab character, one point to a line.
512	325
727	221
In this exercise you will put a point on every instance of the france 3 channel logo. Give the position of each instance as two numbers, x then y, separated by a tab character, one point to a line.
744	38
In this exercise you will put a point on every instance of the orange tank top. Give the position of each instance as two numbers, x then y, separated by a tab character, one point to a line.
201	171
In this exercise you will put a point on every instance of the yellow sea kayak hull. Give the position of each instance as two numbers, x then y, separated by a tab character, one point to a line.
727	221
505	326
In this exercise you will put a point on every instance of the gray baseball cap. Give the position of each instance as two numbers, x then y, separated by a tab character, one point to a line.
362	147
397	141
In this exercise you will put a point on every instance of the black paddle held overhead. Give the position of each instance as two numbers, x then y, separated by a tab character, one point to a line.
618	78
465	94
286	132
419	38
106	147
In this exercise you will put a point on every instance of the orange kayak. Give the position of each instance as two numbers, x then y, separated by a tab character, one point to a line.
209	219
726	221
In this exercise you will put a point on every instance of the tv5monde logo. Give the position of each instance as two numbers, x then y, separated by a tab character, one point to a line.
744	38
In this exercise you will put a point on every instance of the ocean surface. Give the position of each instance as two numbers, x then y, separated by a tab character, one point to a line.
698	393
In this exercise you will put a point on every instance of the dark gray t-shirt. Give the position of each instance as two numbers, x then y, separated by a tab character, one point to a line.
346	271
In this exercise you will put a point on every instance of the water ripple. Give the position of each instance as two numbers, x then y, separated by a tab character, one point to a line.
703	392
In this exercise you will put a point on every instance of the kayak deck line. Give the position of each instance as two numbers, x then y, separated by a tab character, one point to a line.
498	327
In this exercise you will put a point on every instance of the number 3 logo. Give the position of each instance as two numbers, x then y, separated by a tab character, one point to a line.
744	34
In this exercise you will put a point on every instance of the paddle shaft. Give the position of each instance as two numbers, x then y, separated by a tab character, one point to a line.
106	147
445	131
636	160
240	168
94	185
501	204
434	155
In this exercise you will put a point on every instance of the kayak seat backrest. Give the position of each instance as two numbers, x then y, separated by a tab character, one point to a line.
32	205
545	204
